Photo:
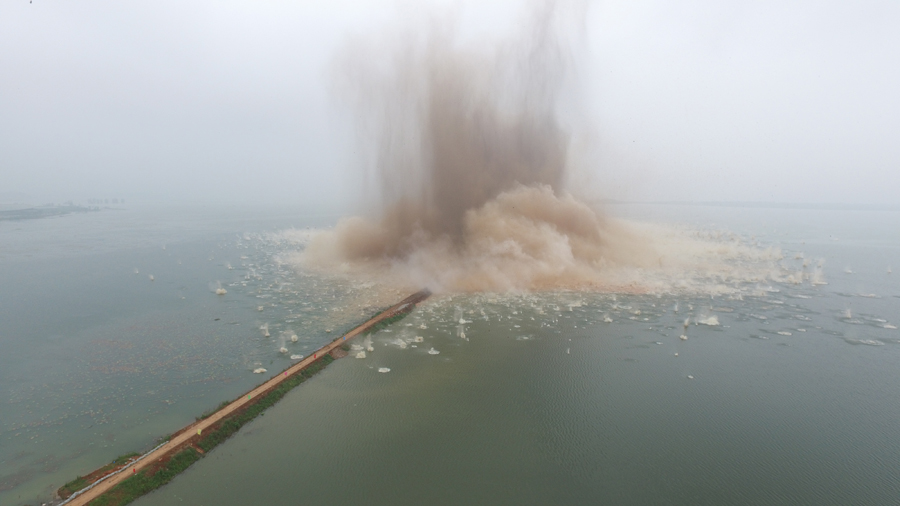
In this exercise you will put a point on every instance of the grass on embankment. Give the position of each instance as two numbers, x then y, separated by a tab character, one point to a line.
143	482
82	481
387	322
155	476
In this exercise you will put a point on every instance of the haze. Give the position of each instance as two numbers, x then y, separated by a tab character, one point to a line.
234	102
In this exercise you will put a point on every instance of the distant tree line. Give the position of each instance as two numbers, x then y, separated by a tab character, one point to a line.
97	202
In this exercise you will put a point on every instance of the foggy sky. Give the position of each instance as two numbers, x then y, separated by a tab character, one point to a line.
232	101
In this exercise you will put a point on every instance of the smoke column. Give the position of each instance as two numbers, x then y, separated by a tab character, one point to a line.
469	156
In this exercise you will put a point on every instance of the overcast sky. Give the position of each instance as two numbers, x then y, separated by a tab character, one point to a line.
230	101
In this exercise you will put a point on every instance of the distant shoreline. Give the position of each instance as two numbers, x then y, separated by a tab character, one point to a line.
36	213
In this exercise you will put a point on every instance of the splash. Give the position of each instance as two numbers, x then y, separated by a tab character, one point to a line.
712	321
470	155
531	238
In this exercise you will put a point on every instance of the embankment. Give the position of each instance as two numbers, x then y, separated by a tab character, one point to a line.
133	477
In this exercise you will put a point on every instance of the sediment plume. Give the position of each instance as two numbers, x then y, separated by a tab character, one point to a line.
468	153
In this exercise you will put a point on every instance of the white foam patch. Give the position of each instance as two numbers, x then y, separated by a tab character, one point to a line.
711	321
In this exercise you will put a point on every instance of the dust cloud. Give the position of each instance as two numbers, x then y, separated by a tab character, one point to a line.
466	158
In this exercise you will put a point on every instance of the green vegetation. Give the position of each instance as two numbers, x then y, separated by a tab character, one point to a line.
83	481
224	429
75	485
387	322
122	459
153	477
147	480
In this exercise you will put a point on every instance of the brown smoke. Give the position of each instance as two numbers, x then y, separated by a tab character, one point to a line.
469	155
450	127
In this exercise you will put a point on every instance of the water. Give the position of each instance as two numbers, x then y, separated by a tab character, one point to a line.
97	360
558	398
509	417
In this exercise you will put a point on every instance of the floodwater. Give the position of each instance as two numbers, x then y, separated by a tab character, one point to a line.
781	393
98	360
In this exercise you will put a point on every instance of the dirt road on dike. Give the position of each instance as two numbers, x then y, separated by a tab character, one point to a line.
190	432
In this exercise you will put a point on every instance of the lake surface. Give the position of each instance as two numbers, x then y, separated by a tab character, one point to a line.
782	393
98	360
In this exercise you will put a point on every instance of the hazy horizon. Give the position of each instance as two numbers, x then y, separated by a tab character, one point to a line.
211	102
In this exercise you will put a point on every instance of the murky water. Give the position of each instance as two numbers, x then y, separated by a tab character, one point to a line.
541	404
98	359
781	393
